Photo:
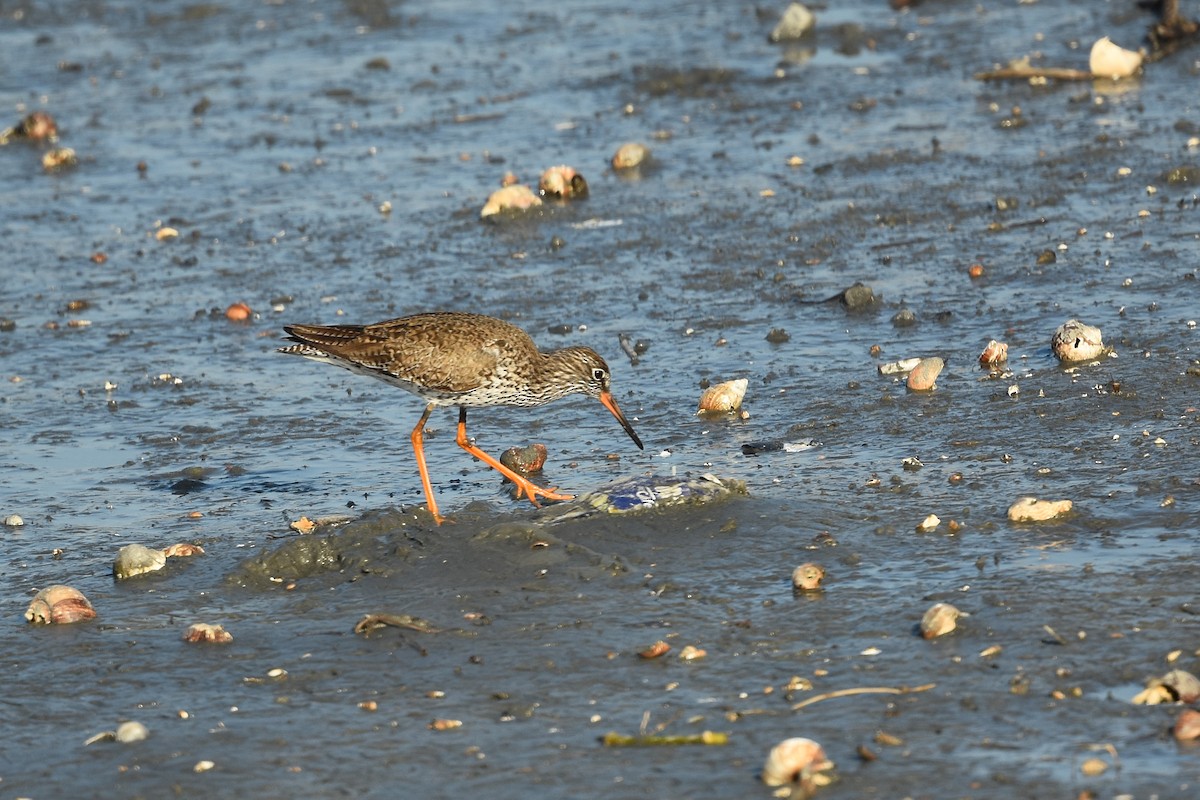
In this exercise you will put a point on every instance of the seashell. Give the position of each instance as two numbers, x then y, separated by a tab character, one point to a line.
940	619
994	353
204	632
238	312
797	22
1076	341
630	155
692	653
1108	60
898	367
58	158
517	197
655	650
36	127
724	397
807	577
929	523
923	378
1187	727
13	521
796	760
182	549
59	604
1031	509
562	181
137	559
1177	686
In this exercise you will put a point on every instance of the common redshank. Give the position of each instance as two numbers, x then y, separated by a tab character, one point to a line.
466	360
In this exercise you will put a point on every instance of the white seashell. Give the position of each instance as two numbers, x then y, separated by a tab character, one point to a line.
723	397
1108	60
794	761
1077	341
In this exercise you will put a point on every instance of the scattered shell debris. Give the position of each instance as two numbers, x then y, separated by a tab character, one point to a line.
940	619
1031	509
59	604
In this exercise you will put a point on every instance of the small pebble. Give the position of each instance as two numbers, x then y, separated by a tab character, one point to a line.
630	155
13	521
1076	341
205	632
137	559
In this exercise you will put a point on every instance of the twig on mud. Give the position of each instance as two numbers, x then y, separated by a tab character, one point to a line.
863	690
1022	73
614	739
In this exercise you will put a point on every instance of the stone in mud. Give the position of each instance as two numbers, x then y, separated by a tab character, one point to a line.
525	460
137	559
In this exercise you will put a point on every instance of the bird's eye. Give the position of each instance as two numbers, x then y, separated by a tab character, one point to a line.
599	375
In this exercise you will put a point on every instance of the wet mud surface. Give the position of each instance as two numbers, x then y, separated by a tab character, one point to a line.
272	134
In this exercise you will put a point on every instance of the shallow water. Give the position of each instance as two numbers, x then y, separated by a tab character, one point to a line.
270	141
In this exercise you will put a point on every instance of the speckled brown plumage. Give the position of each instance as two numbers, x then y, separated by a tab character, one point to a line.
467	360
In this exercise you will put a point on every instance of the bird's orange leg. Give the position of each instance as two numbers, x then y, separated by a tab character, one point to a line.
524	485
418	444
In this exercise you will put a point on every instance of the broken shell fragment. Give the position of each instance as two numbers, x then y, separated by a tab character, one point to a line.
630	155
994	353
59	604
721	398
1076	341
1108	60
137	559
796	761
923	378
929	523
204	632
1177	686
808	577
182	550
1031	509
940	619
517	197
562	181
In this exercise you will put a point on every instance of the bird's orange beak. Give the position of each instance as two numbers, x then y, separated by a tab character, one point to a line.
607	399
